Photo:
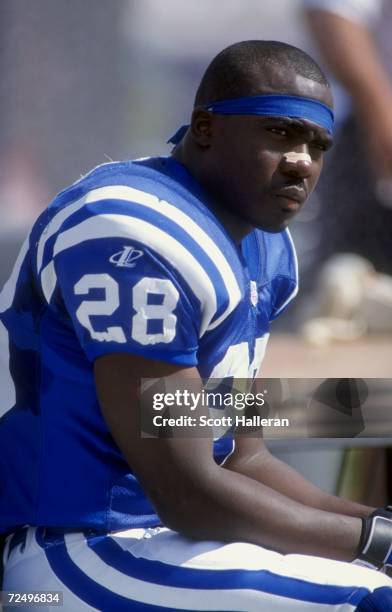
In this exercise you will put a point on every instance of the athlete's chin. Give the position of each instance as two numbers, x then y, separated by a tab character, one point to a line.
272	227
271	219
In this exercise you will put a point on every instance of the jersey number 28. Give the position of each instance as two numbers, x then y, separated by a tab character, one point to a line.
142	302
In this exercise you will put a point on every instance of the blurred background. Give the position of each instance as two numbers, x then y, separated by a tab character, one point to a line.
85	82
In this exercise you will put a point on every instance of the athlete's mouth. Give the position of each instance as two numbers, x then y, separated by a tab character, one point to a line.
291	198
289	205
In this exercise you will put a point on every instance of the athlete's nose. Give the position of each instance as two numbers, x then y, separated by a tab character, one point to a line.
296	163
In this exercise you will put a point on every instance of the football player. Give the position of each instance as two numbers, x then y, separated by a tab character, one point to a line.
174	266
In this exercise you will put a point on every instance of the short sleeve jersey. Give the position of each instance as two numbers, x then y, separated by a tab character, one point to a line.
129	259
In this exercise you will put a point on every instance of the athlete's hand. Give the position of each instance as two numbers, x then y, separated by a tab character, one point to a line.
375	547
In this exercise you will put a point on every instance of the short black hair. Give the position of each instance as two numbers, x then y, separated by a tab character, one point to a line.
231	73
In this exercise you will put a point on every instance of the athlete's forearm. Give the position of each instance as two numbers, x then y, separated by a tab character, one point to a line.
269	470
229	506
198	498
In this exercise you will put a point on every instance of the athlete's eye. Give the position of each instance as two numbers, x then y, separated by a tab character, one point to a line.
278	131
320	145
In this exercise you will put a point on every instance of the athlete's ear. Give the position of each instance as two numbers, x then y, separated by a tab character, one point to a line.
202	127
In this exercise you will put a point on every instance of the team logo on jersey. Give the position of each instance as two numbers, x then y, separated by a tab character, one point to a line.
254	296
127	257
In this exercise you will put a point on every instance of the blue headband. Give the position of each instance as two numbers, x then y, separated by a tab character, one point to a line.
270	105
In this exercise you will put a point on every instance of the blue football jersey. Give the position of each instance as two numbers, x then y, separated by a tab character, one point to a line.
127	259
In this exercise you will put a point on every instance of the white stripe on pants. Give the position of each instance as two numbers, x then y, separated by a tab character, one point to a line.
142	569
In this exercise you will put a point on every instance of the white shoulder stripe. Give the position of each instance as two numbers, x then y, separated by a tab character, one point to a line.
48	280
142	198
191	227
295	290
8	292
57	220
123	226
54	225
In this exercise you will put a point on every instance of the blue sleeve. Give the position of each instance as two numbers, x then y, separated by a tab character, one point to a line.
125	297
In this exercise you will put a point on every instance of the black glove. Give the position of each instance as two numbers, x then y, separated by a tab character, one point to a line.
375	545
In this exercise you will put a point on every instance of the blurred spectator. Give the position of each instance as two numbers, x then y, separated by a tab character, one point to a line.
354	40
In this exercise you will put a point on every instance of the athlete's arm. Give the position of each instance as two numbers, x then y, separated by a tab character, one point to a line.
252	458
195	496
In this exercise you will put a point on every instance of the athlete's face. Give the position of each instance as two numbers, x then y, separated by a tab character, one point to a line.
262	169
